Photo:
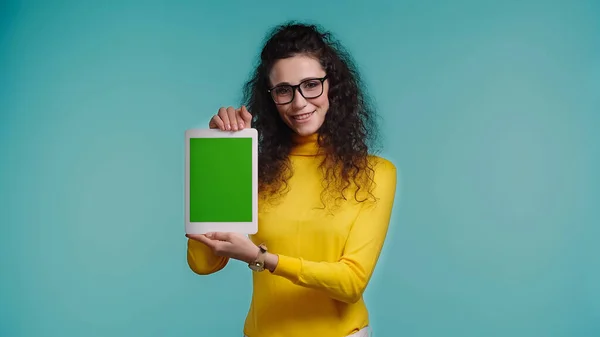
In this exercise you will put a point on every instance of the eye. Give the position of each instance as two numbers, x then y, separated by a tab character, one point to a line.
311	84
282	91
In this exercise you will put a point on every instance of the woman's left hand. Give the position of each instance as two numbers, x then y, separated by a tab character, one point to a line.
231	245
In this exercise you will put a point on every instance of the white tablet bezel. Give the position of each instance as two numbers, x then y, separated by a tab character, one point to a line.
237	227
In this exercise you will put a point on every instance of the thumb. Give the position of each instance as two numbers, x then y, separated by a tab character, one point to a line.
246	116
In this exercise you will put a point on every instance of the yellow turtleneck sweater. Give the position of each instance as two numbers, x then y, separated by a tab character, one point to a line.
326	257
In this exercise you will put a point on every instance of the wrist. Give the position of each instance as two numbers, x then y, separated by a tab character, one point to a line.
253	254
271	261
261	259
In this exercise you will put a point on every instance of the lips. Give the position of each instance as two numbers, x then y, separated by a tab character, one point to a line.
304	116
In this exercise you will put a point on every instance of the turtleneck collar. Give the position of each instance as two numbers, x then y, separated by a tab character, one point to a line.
306	145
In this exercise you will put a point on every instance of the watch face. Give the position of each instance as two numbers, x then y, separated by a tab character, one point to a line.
256	266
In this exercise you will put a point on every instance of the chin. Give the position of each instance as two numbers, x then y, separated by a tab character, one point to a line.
305	130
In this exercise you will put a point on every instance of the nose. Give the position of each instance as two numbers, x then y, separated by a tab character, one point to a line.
299	101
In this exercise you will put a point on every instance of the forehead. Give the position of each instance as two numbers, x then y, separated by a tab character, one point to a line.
294	69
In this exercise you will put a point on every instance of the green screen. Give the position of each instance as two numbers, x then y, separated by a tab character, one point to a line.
220	179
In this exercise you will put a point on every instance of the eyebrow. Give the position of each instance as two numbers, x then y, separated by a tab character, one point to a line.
302	80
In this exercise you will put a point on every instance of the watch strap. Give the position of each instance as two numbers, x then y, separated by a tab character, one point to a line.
259	263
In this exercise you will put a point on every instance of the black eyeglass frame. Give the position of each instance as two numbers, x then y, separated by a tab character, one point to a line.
297	86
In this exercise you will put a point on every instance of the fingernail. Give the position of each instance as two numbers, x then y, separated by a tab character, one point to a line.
227	127
241	125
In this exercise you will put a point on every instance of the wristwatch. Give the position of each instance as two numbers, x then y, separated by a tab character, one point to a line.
259	263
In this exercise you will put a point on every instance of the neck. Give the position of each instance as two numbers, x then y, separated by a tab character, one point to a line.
306	145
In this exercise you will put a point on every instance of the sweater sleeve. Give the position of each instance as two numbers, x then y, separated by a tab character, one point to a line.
201	259
346	279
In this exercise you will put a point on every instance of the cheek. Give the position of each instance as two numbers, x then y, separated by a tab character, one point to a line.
322	102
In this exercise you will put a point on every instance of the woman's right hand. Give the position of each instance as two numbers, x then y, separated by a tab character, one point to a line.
231	119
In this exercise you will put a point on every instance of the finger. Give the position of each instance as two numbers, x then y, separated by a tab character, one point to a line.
240	120
233	120
203	239
221	236
225	118
246	116
216	123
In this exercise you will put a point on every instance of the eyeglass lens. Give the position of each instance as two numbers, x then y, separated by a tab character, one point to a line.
283	94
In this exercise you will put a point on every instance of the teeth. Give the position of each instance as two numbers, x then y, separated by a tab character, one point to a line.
303	116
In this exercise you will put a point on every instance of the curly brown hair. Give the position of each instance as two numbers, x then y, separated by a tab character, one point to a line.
348	133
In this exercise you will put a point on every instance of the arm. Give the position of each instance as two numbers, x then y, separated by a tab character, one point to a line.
346	279
202	260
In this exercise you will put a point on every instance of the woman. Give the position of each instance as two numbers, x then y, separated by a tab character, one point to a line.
325	201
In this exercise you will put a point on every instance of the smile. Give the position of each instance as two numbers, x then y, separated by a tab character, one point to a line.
302	117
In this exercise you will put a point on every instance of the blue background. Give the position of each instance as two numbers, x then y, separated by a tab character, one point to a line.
490	110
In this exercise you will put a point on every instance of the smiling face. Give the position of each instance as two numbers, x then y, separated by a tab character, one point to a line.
303	115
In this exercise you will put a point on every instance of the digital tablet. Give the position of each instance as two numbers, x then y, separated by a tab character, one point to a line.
221	181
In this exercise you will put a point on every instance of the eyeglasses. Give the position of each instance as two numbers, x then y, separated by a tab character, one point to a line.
309	88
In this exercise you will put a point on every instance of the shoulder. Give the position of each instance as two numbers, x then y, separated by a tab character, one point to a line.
383	167
384	175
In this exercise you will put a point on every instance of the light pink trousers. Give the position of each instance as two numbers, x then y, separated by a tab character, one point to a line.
364	332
